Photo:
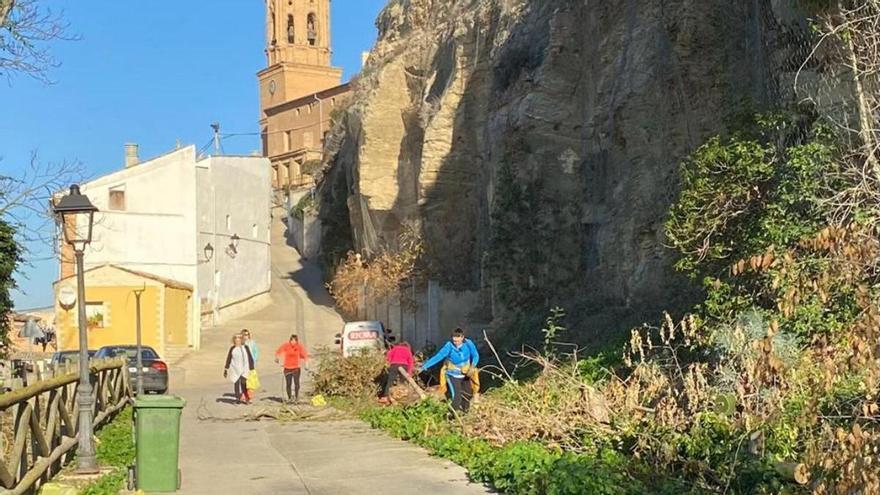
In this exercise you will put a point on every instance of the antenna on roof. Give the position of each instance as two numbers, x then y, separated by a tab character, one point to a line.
216	127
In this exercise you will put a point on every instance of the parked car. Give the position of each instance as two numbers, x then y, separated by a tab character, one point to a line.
73	356
356	336
155	371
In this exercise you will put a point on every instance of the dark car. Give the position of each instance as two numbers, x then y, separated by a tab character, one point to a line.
155	370
72	356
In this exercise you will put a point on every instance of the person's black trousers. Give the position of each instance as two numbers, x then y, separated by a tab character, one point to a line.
461	391
393	376
240	387
291	375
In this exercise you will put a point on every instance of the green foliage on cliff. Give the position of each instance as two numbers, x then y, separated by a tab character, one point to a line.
518	240
744	193
747	201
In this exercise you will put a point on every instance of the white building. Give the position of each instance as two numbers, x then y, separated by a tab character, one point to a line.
204	222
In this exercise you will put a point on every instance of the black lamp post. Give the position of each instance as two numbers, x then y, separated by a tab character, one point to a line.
73	211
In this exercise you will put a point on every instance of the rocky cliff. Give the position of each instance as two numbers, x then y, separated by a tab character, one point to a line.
535	143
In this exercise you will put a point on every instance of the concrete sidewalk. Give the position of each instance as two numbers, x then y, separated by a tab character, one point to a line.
222	454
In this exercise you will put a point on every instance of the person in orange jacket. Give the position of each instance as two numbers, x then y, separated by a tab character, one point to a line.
293	353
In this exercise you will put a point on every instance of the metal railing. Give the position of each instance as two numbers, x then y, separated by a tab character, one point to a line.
39	423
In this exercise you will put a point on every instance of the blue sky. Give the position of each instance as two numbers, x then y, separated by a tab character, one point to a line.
150	75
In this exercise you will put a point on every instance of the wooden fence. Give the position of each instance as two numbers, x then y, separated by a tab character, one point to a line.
39	423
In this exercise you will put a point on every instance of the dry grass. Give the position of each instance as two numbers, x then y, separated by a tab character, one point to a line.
557	408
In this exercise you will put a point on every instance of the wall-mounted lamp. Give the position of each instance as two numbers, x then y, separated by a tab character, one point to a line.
209	251
233	244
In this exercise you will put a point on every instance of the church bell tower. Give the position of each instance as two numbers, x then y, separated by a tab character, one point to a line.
297	52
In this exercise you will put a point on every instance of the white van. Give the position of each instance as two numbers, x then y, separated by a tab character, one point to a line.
357	335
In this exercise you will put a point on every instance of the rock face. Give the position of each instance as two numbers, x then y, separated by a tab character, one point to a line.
535	143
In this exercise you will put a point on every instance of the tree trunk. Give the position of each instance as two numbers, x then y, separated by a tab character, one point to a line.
866	118
5	9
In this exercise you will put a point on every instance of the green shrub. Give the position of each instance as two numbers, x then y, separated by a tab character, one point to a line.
306	203
115	449
519	468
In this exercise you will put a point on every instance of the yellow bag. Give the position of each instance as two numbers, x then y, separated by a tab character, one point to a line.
253	380
472	373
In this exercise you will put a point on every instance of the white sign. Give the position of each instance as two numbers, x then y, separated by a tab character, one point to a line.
67	296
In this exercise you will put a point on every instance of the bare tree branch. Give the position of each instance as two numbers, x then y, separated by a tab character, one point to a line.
24	199
25	30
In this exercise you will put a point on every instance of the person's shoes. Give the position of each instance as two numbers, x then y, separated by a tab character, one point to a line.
384	400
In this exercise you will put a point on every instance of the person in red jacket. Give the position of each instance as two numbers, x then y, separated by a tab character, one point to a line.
400	356
293	353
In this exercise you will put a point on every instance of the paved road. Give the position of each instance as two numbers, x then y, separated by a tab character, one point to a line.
223	454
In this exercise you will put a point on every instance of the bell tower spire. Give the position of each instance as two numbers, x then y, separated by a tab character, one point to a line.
298	31
297	51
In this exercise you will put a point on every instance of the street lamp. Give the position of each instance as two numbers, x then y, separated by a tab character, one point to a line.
72	211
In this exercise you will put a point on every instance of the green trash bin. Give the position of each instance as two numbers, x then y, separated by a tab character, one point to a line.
157	442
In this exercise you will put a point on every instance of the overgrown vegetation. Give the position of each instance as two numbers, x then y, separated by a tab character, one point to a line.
770	385
380	277
116	449
305	203
522	467
312	167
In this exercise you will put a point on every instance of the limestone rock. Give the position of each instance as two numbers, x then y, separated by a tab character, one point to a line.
536	143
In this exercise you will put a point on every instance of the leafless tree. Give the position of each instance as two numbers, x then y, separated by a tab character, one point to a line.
24	199
850	38
26	29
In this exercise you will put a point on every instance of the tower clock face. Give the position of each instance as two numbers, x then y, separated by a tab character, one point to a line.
272	87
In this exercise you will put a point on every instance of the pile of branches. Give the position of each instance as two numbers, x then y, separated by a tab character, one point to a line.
357	376
557	408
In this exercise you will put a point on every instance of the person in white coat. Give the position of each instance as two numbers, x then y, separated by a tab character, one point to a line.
239	363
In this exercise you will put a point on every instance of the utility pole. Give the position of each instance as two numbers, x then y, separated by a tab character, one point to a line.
139	373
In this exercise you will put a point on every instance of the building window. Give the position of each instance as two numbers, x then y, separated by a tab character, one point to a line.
288	137
290	29
255	231
312	28
96	316
228	222
117	198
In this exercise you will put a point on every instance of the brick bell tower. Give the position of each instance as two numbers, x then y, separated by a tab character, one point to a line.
297	52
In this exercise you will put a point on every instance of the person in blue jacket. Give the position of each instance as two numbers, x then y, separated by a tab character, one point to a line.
460	359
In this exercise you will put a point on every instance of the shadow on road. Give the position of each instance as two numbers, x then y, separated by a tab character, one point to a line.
309	277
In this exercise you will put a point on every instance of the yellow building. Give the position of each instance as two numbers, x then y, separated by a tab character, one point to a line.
299	90
111	310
